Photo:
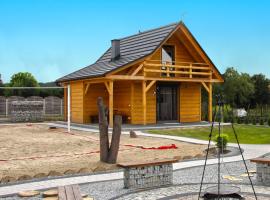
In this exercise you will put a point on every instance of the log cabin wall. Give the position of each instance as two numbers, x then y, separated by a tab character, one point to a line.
181	52
90	100
136	104
77	102
190	102
122	98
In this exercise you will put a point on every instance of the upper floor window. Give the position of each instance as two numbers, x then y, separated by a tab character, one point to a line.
168	57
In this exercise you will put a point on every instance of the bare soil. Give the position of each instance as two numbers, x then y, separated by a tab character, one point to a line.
33	151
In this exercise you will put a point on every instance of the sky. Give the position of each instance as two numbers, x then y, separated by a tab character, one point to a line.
51	38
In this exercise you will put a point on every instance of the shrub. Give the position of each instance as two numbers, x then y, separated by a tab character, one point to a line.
269	122
222	141
261	121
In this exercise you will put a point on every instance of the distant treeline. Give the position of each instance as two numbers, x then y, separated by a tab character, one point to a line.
25	79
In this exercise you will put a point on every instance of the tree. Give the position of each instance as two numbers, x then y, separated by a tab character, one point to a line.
22	79
237	88
262	94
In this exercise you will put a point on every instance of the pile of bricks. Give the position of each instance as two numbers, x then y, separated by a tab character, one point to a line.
27	111
148	176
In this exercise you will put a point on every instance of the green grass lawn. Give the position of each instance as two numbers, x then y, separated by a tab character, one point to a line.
247	134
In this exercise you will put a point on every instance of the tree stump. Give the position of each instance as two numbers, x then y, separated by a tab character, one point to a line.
108	153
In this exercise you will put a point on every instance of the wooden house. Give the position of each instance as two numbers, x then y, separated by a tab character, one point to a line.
149	77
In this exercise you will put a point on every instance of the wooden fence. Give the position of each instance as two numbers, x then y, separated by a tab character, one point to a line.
52	106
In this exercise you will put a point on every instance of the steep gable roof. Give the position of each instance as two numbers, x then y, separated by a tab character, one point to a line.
132	48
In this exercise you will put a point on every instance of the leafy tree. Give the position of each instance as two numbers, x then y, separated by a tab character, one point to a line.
22	79
262	93
237	88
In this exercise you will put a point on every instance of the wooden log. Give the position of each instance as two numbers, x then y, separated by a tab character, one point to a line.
113	152
103	130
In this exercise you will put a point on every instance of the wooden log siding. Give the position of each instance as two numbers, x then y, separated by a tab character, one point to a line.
137	107
190	102
90	99
77	102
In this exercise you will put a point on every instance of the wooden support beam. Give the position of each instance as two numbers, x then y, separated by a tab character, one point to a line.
111	103
107	87
86	89
144	101
190	70
150	85
137	70
174	79
210	103
206	87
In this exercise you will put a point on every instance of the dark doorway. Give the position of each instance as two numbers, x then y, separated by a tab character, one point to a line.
167	104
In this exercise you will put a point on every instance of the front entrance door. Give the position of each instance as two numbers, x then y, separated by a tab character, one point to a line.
167	102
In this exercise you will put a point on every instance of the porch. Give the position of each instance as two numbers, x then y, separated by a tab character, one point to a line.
134	94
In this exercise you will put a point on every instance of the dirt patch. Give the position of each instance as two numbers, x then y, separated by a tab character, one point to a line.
35	151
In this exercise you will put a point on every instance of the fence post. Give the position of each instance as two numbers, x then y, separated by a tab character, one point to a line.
44	106
61	107
6	107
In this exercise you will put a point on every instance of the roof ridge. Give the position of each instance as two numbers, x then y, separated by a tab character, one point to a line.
149	30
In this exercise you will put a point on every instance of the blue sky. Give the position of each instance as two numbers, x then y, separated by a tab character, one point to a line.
51	38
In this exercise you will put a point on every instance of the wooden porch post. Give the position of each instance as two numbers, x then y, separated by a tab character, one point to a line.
210	103
111	103
144	101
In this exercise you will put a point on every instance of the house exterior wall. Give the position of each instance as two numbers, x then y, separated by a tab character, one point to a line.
90	100
190	102
127	94
77	101
181	52
137	107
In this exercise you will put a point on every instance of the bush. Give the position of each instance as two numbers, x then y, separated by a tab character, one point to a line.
269	122
222	141
261	121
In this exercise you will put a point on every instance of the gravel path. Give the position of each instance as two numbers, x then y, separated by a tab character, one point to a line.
185	180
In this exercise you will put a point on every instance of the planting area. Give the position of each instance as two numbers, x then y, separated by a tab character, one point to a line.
33	151
247	134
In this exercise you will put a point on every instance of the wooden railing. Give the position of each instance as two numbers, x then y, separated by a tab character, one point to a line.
158	68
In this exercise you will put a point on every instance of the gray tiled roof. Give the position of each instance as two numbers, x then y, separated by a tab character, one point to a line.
132	48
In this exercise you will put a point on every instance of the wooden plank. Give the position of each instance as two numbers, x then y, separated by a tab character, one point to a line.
144	101
147	163
86	89
210	103
124	77
137	70
62	193
111	103
69	192
107	87
205	86
77	192
261	160
150	85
